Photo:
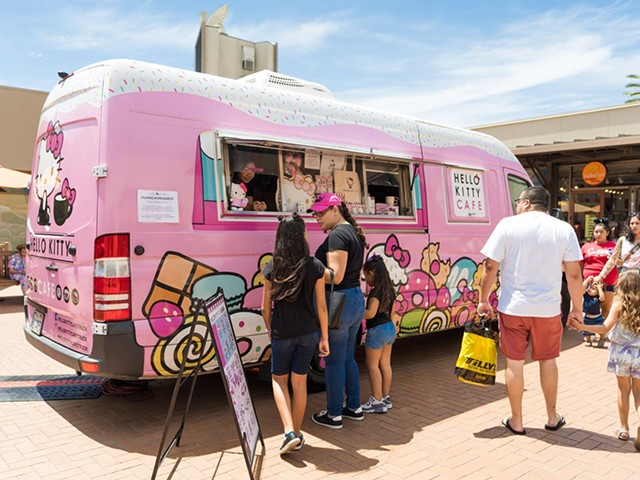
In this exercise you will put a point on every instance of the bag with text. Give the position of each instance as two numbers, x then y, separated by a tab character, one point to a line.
478	354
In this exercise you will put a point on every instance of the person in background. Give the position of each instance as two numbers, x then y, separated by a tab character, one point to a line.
595	256
381	333
17	268
260	188
624	351
531	248
593	298
626	253
343	252
293	280
577	227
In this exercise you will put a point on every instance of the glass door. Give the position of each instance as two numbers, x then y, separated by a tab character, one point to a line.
585	205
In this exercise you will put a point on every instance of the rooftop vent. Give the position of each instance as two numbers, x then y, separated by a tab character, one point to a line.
268	78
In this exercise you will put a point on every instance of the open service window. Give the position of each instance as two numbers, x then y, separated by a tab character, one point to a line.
270	176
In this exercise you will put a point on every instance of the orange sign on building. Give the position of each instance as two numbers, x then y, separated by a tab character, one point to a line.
594	173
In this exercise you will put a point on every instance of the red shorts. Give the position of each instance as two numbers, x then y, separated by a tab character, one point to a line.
545	334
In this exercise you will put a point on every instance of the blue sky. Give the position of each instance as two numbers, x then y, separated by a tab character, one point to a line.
461	62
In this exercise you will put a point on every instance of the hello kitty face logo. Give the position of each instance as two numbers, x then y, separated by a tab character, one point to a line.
49	158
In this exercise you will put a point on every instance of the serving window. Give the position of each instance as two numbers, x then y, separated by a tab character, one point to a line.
267	177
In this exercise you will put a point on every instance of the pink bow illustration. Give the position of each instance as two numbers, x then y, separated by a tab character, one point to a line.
392	249
67	192
470	296
305	184
54	140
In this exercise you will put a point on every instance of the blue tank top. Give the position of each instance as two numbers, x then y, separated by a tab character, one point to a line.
591	305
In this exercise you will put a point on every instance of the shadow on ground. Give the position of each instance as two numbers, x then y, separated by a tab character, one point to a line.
425	391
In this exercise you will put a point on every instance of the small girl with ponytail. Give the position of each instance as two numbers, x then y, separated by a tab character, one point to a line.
381	333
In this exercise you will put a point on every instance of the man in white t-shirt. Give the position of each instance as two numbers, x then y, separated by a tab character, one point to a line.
531	249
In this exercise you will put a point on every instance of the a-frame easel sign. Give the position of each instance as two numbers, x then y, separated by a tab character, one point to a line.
220	330
234	379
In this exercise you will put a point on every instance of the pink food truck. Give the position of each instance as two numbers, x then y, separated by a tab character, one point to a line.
138	207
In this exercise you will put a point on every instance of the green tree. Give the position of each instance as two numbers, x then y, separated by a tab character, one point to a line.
635	95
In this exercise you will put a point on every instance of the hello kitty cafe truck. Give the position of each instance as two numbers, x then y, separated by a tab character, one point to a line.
131	218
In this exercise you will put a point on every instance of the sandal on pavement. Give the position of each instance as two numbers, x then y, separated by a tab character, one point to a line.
622	434
561	423
636	444
506	423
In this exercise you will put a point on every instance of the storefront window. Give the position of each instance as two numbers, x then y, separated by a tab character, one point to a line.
13	218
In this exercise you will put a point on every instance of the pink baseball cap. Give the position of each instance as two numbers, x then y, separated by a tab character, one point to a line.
324	201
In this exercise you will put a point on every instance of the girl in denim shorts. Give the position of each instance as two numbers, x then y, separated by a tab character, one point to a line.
624	352
293	279
381	333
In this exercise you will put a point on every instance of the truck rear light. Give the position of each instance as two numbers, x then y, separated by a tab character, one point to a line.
89	367
111	278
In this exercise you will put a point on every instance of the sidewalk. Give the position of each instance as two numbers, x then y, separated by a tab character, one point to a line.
439	427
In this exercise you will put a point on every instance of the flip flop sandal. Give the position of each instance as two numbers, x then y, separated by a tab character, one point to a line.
506	423
622	434
561	423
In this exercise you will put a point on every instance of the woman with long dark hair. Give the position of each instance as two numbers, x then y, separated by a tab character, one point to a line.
627	252
343	252
595	255
293	280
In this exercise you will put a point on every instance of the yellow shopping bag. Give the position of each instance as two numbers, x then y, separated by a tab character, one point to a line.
478	354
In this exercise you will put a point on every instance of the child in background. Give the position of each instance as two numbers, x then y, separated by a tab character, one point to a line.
593	297
624	351
293	279
381	333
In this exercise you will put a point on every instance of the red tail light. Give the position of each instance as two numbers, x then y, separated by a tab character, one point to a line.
111	278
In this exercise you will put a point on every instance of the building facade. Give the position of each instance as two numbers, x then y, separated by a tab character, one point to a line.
589	161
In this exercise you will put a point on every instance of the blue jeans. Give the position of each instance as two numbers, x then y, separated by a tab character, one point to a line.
293	354
341	370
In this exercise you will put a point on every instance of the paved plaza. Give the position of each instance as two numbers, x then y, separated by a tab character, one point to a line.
439	427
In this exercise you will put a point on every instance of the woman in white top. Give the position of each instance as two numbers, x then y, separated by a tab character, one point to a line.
627	252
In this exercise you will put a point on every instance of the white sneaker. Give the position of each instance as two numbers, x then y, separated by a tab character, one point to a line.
374	406
387	401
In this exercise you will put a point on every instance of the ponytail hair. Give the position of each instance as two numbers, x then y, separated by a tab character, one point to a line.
344	211
381	281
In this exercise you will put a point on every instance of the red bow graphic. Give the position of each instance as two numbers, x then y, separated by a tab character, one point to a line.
67	192
54	140
392	249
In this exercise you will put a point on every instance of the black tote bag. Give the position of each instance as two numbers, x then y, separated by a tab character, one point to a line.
335	304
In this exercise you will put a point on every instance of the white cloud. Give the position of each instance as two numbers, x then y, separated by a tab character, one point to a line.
559	53
110	30
290	34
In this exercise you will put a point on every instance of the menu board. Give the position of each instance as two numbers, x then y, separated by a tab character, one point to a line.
233	375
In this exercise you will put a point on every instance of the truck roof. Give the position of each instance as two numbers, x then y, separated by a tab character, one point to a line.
98	82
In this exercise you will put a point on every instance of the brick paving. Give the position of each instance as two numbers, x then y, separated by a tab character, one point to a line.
439	427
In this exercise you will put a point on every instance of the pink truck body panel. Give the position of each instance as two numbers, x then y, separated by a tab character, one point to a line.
114	132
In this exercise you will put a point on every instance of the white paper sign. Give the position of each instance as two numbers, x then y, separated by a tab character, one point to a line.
331	162
468	194
312	160
158	207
